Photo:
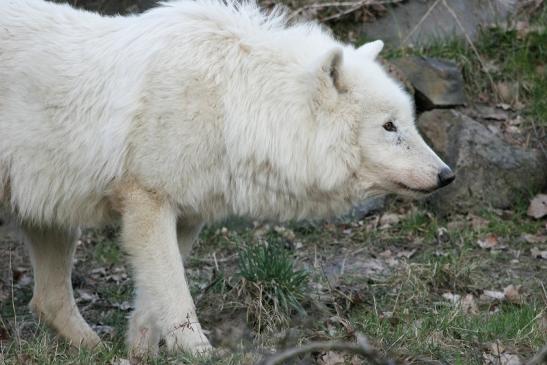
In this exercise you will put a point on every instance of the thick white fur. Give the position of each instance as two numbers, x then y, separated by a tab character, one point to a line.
191	111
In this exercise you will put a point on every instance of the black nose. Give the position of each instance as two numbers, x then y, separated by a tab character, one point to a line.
445	177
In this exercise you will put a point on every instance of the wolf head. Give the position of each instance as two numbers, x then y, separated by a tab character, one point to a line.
394	157
314	126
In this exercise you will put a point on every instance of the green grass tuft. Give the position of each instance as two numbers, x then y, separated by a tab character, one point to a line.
271	267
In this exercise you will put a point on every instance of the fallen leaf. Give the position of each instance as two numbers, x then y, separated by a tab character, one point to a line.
538	254
453	298
469	305
513	129
512	294
538	206
356	360
478	223
121	362
124	306
390	219
331	358
532	238
98	272
505	91
86	296
456	225
503	359
503	106
407	254
496	348
386	254
498	295
490	241
104	329
442	235
288	234
24	359
516	121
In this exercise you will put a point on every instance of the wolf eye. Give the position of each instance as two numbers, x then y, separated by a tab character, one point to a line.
390	127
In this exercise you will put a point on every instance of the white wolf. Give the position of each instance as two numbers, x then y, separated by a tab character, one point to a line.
181	116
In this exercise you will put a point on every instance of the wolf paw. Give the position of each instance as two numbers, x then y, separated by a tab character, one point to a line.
188	337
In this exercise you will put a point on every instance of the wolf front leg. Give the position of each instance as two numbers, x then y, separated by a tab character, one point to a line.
51	254
163	305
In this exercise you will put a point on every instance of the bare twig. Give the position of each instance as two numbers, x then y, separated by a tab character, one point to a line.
362	347
471	44
351	6
417	26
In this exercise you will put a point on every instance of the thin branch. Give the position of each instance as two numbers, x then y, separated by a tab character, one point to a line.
471	44
362	347
353	6
417	26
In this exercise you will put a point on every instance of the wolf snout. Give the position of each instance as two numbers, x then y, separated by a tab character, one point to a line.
445	177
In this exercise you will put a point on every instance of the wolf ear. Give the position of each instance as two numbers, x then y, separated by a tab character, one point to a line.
371	49
331	65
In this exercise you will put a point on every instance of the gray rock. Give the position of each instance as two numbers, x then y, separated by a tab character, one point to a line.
489	171
405	23
437	83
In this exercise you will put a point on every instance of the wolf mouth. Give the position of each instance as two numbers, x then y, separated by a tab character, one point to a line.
421	191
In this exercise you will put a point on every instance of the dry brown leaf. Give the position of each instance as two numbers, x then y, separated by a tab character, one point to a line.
452	298
104	329
512	294
386	254
502	359
390	219
469	305
496	348
538	206
407	254
498	355
538	254
478	223
121	362
456	224
288	234
533	238
505	91
503	106
331	358
490	241
492	294
86	296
